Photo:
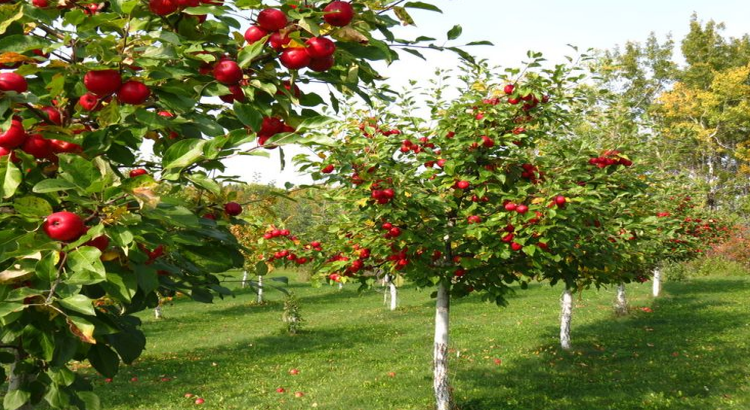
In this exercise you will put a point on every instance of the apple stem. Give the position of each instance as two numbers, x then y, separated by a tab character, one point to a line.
566	302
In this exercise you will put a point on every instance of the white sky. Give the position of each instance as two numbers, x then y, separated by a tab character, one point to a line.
514	28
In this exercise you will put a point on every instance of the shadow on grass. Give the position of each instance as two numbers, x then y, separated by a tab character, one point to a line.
673	358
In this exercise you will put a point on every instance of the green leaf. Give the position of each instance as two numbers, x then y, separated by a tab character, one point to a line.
85	261
261	269
248	115
10	177
122	287
182	154
404	16
7	308
79	303
20	43
90	399
121	235
203	181
421	5
129	344
480	43
56	397
104	360
45	269
80	172
213	257
8	14
15	399
32	206
455	32
315	122
52	185
248	53
61	375
310	25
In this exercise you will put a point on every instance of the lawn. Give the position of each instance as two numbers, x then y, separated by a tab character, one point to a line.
690	352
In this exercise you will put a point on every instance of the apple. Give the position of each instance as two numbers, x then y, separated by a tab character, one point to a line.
327	169
14	136
137	172
13	82
295	58
319	47
6	151
236	94
133	379
487	142
514	101
37	146
474	219
277	41
254	34
53	114
188	395
102	82
320	65
108	380
232	208
100	242
199	401
40	3
63	226
338	13
272	19
163	7
516	246
294	372
209	216
133	92
509	88
59	146
298	394
522	209
441	162
280	390
391	374
386	226
560	201
394	232
227	72
462	184
88	101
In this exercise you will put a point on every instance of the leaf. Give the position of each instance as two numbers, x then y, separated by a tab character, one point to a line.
455	32
310	25
79	303
404	16
8	14
480	43
249	116
89	398
45	269
20	43
104	360
129	344
52	185
81	328
183	154
10	177
32	206
315	122
15	399
421	5
248	53
203	181
261	268
56	397
282	279
86	265
122	287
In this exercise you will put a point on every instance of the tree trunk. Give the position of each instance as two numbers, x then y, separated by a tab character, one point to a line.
386	280
245	278
656	282
621	302
158	313
16	381
441	383
566	316
260	289
341	286
394	295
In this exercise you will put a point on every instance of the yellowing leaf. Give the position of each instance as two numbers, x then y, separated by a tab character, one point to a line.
537	201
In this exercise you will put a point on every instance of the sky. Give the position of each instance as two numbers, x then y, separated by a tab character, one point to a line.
546	26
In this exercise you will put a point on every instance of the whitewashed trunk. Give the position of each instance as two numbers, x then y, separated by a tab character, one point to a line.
621	302
157	312
394	295
441	383
566	316
15	381
260	289
656	282
341	286
245	277
386	281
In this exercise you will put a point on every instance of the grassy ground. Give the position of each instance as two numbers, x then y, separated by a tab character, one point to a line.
690	352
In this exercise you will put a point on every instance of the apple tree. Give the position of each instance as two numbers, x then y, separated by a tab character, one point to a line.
93	226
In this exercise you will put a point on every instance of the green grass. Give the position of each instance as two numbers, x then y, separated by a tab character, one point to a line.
691	352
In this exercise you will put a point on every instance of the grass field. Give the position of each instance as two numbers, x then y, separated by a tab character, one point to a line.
690	352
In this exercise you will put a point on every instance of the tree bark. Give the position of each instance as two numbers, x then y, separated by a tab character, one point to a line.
443	394
158	313
386	280
17	380
621	302
260	289
656	282
566	316
245	278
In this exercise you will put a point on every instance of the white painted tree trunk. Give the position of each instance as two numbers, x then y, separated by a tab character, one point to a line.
341	286
441	383
158	313
566	317
386	281
656	282
394	295
260	289
15	381
245	277
621	302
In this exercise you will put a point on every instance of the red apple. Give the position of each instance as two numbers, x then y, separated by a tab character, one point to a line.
232	208
13	82
272	19
59	146
108	380
37	146
88	101
6	151
294	372
254	34
14	136
338	13
199	401
100	242
277	41
487	142
53	114
137	172
227	72
516	246
298	394
236	95
133	92
509	88
163	7
327	169
320	65
295	58
102	82
63	226
560	201
40	3
188	395
280	390
522	209
319	47
462	184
